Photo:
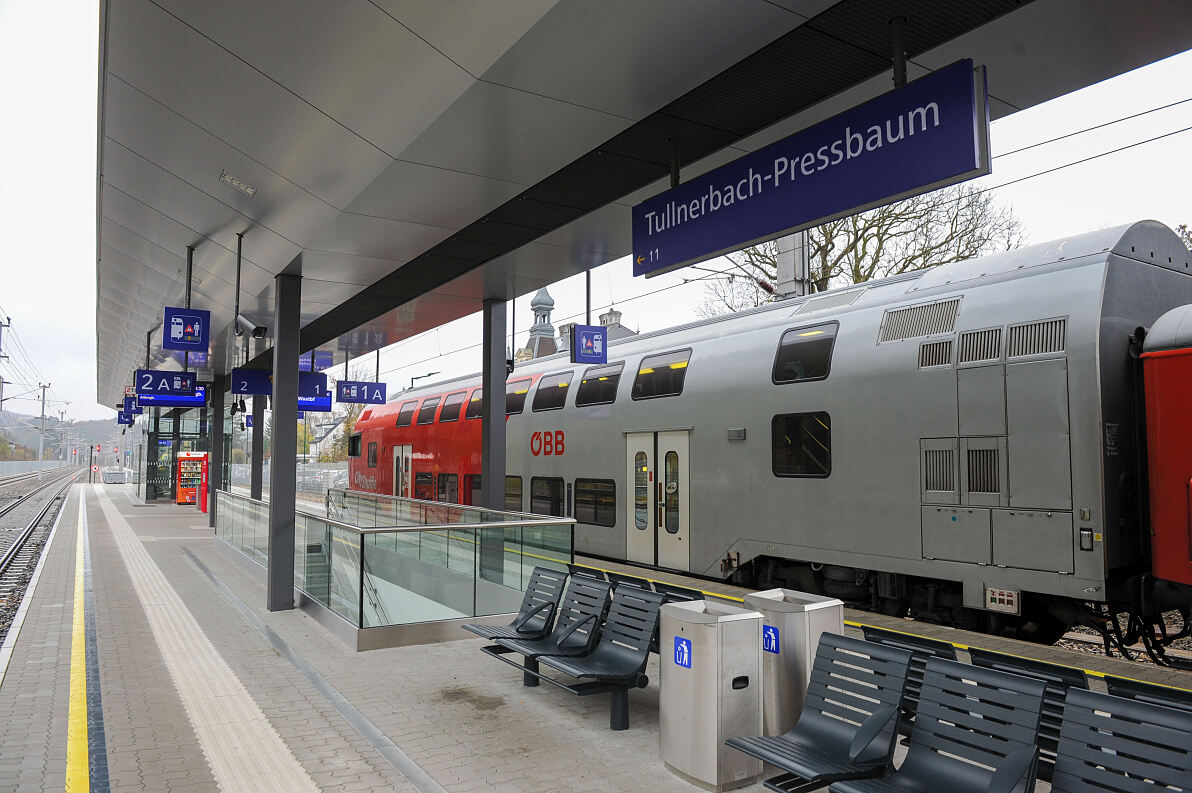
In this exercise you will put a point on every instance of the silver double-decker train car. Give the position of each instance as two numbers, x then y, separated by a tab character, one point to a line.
961	444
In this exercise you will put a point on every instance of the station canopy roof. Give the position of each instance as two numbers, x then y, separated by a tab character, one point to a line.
422	156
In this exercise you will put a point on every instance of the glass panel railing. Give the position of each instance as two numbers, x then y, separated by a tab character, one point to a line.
405	561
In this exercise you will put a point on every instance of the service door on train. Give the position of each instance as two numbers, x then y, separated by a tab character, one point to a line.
657	521
402	455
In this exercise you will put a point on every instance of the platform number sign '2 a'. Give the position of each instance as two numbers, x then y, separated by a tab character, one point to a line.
682	652
360	392
187	329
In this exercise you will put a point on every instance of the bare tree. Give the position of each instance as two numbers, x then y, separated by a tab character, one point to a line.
337	451
1185	234
948	225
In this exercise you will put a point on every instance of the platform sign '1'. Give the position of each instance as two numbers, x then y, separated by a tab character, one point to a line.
928	134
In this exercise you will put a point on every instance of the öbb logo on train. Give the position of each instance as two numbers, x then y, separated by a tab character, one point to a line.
547	443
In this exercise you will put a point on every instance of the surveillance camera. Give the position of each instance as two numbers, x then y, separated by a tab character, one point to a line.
244	324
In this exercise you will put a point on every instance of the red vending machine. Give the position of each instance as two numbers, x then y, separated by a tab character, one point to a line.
191	477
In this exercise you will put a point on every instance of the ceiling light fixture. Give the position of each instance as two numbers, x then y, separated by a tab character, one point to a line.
224	176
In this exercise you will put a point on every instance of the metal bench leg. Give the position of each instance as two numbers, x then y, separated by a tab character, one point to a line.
619	710
529	680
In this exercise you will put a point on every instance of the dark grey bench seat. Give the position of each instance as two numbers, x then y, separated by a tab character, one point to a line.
537	613
849	720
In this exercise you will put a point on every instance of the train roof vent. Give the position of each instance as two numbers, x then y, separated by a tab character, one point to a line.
980	345
1037	338
935	353
925	319
829	300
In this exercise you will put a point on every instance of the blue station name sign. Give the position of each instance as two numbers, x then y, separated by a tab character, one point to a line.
360	392
928	134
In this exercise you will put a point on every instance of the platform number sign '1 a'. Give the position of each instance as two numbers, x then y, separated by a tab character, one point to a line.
360	392
682	652
770	639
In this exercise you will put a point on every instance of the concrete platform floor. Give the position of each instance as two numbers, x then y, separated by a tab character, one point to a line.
201	689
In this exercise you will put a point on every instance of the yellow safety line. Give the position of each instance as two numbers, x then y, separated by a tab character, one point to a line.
78	777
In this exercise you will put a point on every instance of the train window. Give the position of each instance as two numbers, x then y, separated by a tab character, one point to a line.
670	467
354	445
599	384
515	396
475	405
372	455
641	491
805	354
546	495
472	489
452	405
513	493
424	485
596	501
661	375
427	414
552	391
801	444
448	488
406	415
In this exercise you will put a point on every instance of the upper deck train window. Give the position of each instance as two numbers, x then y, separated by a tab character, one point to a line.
599	384
427	414
801	444
475	405
354	445
805	353
452	406
515	396
661	375
406	414
552	391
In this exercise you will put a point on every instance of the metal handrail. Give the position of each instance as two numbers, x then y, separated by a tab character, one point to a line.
530	517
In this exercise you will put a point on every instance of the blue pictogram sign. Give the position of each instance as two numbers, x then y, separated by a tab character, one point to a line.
248	421
149	381
589	344
358	392
131	406
928	134
682	652
770	639
252	381
124	418
186	329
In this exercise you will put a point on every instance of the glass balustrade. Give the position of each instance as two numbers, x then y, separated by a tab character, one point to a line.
380	560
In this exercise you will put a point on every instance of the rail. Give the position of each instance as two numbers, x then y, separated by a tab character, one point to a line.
14	549
379	561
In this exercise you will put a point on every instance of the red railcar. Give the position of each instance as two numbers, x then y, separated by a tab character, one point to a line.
426	444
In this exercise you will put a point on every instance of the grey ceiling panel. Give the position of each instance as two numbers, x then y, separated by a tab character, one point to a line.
435	196
472	33
369	50
648	53
511	135
175	65
197	158
377	238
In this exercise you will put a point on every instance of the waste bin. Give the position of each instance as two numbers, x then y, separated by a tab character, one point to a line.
791	626
710	691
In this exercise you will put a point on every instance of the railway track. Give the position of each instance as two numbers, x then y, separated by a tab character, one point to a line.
21	546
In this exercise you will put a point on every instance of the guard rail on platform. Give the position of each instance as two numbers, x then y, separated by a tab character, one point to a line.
382	562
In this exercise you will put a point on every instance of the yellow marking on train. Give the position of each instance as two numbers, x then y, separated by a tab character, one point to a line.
811	333
646	370
78	777
679	365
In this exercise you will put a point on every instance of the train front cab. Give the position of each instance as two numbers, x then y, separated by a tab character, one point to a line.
1167	374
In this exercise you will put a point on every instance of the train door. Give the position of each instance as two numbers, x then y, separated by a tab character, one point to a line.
657	514
401	470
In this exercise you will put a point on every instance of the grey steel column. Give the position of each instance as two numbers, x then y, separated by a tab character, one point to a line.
258	446
216	444
287	296
492	436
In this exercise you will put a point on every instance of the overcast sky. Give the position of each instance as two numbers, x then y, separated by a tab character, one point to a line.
48	78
